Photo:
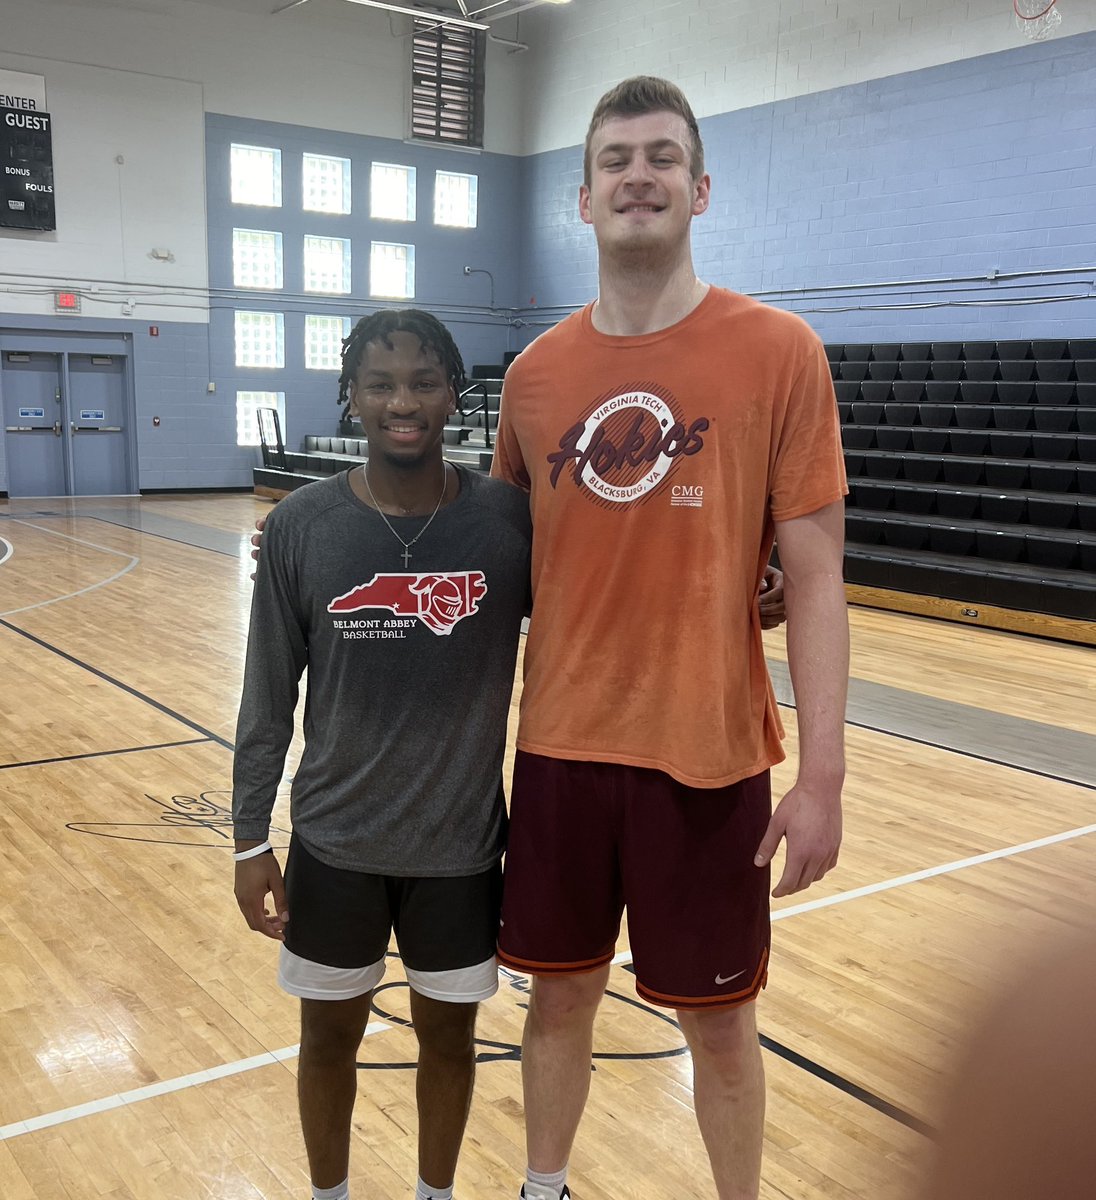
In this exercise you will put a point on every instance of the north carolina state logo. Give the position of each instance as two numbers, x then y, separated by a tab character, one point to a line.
627	446
438	601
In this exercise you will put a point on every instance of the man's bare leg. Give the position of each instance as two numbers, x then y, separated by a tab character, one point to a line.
327	1082
557	1050
443	1086
729	1093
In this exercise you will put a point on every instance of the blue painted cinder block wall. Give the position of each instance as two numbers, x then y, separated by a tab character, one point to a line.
881	211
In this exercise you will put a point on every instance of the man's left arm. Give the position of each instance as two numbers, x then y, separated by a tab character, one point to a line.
809	816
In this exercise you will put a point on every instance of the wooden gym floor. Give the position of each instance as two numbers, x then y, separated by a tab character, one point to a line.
146	1052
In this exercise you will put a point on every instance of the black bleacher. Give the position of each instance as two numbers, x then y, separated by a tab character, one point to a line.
972	474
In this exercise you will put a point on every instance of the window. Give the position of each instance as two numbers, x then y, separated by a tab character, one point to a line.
247	414
447	83
326	183
327	265
323	339
455	199
391	270
392	192
256	258
260	339
256	174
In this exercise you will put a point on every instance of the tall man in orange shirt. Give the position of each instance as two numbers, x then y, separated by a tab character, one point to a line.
666	433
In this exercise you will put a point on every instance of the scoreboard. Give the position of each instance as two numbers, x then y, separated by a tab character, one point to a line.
26	169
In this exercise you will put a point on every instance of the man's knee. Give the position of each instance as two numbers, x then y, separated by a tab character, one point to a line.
726	1038
332	1030
442	1028
567	1001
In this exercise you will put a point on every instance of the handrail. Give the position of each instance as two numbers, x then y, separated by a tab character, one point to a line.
481	387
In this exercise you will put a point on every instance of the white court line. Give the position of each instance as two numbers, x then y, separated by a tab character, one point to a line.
163	1088
262	1060
914	877
8	552
91	587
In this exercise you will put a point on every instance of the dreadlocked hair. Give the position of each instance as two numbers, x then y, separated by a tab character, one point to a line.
379	327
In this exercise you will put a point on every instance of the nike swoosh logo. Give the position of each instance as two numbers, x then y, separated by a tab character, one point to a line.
720	980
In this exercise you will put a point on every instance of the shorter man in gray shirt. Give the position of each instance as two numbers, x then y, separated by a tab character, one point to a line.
401	586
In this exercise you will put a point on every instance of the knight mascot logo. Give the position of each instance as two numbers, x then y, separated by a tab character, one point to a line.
439	601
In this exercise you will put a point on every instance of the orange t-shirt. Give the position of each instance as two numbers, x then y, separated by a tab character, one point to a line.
656	467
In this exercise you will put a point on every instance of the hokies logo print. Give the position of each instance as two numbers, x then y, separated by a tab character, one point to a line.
627	446
438	601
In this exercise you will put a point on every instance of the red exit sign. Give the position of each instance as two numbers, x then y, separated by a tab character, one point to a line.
66	302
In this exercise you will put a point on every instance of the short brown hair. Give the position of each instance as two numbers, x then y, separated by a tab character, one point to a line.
634	98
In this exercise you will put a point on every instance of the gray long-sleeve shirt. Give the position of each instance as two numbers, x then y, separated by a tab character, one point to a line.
410	671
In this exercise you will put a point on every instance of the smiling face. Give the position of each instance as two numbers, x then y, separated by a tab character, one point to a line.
402	397
642	196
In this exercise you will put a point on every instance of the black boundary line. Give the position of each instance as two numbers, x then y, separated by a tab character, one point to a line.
42	762
120	525
997	762
208	734
163	536
849	1088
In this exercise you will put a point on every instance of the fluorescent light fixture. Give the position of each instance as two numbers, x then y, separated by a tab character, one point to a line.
422	14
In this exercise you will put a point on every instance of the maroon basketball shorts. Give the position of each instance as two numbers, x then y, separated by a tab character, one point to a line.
589	839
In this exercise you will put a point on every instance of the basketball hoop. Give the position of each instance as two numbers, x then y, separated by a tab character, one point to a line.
1037	19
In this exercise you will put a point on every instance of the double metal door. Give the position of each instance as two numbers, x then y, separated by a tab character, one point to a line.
65	423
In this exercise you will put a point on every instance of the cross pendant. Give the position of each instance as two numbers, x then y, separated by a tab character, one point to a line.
406	556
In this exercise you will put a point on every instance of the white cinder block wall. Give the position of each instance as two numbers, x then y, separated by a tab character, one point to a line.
734	54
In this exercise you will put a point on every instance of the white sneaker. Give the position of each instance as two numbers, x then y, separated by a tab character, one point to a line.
544	1194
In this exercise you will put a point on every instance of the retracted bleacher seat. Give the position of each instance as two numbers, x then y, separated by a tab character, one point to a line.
867	413
1010	445
967	471
922	468
1054	447
1058	553
1055	393
1053	370
1016	417
973	416
930	441
1015	393
1082	348
946	351
875	391
858	437
908	392
886	351
982	370
905	535
1086	394
854	369
882	466
1009	474
946	369
1086	448
857	352
979	350
1053	513
1005	547
1049	349
896	440
1086	419
914	369
1002	510
937	416
882	370
844	411
951	539
957	505
940	392
854	464
878	497
1017	370
913	351
970	442
977	392
1053	477
846	389
1085	369
900	414
1008	351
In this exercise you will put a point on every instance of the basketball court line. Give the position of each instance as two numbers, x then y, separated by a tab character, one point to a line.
8	550
132	691
133	561
61	1116
63	758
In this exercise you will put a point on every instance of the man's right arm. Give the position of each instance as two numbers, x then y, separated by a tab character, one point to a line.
277	653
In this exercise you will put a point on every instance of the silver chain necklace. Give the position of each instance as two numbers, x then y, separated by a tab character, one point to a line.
406	556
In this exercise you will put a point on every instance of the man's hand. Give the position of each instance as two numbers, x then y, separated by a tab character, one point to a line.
809	819
770	598
257	541
255	878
